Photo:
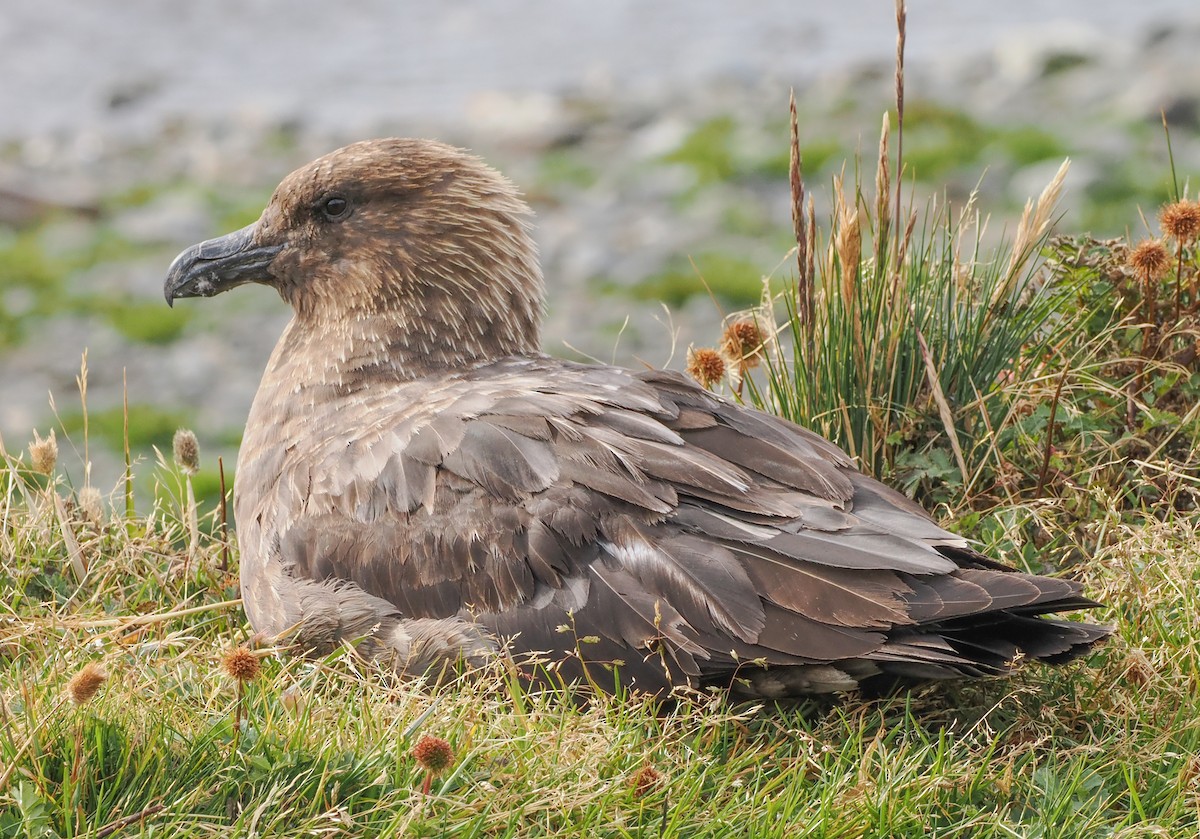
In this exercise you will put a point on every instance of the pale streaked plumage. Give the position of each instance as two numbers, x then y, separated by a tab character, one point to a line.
417	478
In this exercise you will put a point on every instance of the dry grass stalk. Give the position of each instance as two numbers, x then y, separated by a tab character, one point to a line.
74	551
967	235
1035	222
1049	449
804	278
224	517
829	263
883	193
123	822
129	508
120	625
901	28
849	248
82	381
810	230
186	450
939	397
899	291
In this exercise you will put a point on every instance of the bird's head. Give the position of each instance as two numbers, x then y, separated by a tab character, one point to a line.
420	239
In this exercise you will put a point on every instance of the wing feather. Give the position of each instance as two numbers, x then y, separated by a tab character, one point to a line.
685	535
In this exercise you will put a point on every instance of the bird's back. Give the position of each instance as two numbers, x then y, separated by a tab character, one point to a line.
589	512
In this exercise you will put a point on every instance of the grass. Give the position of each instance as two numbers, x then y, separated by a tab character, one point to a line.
1106	747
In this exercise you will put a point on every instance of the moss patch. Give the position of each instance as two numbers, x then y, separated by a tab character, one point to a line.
938	140
148	426
732	280
35	269
145	322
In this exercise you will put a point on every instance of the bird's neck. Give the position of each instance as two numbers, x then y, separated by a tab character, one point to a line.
419	341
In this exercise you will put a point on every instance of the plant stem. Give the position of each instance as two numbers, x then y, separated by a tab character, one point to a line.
224	519
1050	433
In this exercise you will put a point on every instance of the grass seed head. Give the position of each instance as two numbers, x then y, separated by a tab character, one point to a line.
433	754
86	682
43	453
241	664
91	504
187	451
1150	259
742	343
706	366
1181	221
646	781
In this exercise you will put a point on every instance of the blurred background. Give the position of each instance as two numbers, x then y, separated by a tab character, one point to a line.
651	139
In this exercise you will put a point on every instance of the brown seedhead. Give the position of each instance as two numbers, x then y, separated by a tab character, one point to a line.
43	453
706	366
1150	259
433	754
86	682
742	343
241	664
187	451
1181	221
647	780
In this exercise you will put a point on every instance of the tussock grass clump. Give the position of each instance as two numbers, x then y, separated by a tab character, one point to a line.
978	377
897	320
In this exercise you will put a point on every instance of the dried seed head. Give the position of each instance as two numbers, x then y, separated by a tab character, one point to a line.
86	682
1150	259
1181	221
293	699
705	365
91	504
1139	670
187	451
742	343
646	781
241	664
433	754
43	453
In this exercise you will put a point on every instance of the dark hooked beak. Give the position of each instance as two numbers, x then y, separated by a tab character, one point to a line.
219	265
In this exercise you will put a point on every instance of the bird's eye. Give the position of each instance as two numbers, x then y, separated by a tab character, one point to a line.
334	208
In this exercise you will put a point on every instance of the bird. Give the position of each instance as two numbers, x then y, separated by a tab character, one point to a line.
420	481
